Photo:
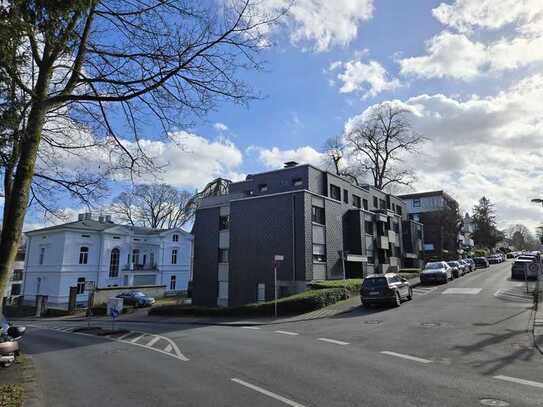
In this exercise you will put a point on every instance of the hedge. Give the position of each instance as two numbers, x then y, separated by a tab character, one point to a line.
352	285
295	304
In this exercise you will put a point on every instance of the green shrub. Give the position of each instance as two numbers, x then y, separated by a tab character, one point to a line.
295	304
11	395
353	284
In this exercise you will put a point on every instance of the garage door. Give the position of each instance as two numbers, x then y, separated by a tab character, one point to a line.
144	280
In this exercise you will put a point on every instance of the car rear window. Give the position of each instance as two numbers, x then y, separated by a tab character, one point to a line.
452	263
378	282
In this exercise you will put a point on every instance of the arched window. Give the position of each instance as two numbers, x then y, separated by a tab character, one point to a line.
83	255
114	263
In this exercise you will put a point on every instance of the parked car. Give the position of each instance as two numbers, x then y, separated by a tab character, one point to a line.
457	269
510	256
467	265
493	259
387	288
472	264
524	268
137	299
481	262
436	272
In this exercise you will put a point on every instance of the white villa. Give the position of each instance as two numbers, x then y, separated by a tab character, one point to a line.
109	254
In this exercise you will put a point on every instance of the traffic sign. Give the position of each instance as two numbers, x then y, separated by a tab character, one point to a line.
90	286
533	267
114	307
279	257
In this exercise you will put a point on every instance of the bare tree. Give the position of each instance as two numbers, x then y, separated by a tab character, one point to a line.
378	145
521	237
105	66
336	150
157	206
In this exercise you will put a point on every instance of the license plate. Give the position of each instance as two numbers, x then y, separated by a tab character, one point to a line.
374	292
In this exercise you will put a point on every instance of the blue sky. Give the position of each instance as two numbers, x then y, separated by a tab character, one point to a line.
467	70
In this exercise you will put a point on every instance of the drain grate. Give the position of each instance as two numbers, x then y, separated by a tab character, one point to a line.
494	402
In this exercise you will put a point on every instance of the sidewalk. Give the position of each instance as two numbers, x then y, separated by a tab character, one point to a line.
140	315
537	328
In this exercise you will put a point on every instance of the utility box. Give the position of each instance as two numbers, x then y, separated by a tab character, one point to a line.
114	307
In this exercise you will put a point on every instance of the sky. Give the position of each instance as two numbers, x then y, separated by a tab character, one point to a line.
468	71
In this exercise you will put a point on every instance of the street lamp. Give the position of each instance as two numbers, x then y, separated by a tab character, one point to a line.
538	201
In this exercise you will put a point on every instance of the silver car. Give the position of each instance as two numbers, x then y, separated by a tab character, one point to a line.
436	272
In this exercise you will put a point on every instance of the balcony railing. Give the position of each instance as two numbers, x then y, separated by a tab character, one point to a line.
141	267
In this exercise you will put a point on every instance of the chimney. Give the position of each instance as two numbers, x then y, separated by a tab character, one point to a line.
290	164
81	216
87	216
108	219
101	219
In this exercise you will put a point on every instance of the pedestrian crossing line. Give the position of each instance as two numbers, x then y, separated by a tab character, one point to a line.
168	348
153	341
137	338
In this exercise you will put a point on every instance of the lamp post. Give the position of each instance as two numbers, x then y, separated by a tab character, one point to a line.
538	201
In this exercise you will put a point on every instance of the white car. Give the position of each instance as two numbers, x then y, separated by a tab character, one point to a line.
436	272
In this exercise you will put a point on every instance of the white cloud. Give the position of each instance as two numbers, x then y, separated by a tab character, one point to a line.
459	56
320	24
368	79
275	158
482	146
220	126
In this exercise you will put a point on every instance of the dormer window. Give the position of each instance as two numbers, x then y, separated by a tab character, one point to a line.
175	238
297	182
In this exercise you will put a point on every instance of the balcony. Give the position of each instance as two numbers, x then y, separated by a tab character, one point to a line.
140	267
382	242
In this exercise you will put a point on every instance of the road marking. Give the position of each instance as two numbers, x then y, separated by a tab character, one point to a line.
267	393
287	333
137	338
409	357
333	341
153	341
250	327
470	291
168	348
520	381
120	338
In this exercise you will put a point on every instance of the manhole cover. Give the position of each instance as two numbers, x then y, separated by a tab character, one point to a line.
430	324
494	402
373	321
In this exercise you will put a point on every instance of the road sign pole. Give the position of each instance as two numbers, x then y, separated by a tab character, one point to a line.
275	286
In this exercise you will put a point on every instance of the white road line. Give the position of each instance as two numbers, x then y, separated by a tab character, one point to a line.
287	333
250	327
409	357
520	381
153	341
267	393
120	338
168	348
333	341
137	338
469	291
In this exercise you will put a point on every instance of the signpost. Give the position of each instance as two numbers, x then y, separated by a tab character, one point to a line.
276	259
114	309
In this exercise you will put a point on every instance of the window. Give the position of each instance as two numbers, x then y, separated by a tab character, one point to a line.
42	254
85	235
335	192
369	227
297	182
261	292
116	237
224	222
114	263
172	282
152	259
317	215
17	275
365	204
356	201
416	203
16	289
174	256
393	208
319	253
263	187
175	238
80	285
136	256
375	202
382	203
144	259
223	255
345	196
398	209
396	227
83	255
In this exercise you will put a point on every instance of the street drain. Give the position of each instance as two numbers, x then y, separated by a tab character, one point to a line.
494	402
373	321
429	324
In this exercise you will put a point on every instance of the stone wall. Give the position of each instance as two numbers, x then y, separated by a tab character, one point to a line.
101	295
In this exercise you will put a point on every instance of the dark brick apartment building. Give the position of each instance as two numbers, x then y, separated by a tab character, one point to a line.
324	226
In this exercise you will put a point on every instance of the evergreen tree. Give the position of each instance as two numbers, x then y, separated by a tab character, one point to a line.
485	235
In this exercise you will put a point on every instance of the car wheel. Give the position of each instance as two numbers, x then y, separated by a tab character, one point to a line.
397	300
410	294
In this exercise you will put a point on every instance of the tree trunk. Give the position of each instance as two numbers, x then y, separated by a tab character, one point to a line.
16	203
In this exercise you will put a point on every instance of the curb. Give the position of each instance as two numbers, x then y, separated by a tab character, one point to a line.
533	320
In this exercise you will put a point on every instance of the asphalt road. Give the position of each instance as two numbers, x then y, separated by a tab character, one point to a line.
461	344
